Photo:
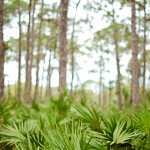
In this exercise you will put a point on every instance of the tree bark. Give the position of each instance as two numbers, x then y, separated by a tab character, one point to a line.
144	52
36	92
63	45
118	76
117	63
49	73
2	51
30	46
118	72
135	66
19	56
28	75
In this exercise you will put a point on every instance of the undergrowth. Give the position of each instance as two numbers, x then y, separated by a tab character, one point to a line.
64	125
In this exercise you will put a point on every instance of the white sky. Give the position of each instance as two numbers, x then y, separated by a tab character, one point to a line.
86	63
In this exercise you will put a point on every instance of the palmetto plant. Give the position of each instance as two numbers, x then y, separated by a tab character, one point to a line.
23	135
91	117
48	125
141	120
115	134
110	132
6	109
69	137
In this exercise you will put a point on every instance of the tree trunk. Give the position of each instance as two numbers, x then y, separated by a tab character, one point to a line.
144	52
118	76
101	67
49	73
2	51
110	91
117	61
9	90
63	45
118	71
19	56
28	75
100	83
36	92
72	49
135	66
42	79
48	92
104	96
30	46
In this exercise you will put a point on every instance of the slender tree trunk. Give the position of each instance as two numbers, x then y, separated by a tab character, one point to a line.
9	90
100	76
135	66
104	96
2	51
28	75
30	47
15	93
118	72
72	63
103	88
42	79
144	52
100	84
32	44
110	91
49	73
48	92
117	61
19	57
36	92
63	45
72	49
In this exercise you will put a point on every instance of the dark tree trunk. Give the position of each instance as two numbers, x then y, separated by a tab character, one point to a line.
135	66
2	51
36	92
19	56
63	45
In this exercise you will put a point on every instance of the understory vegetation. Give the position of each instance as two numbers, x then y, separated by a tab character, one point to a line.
64	124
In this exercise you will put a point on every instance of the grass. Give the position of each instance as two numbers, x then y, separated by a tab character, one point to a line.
65	125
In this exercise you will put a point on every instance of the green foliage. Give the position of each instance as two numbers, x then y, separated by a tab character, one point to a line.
89	116
115	134
63	124
24	135
69	137
11	9
141	120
